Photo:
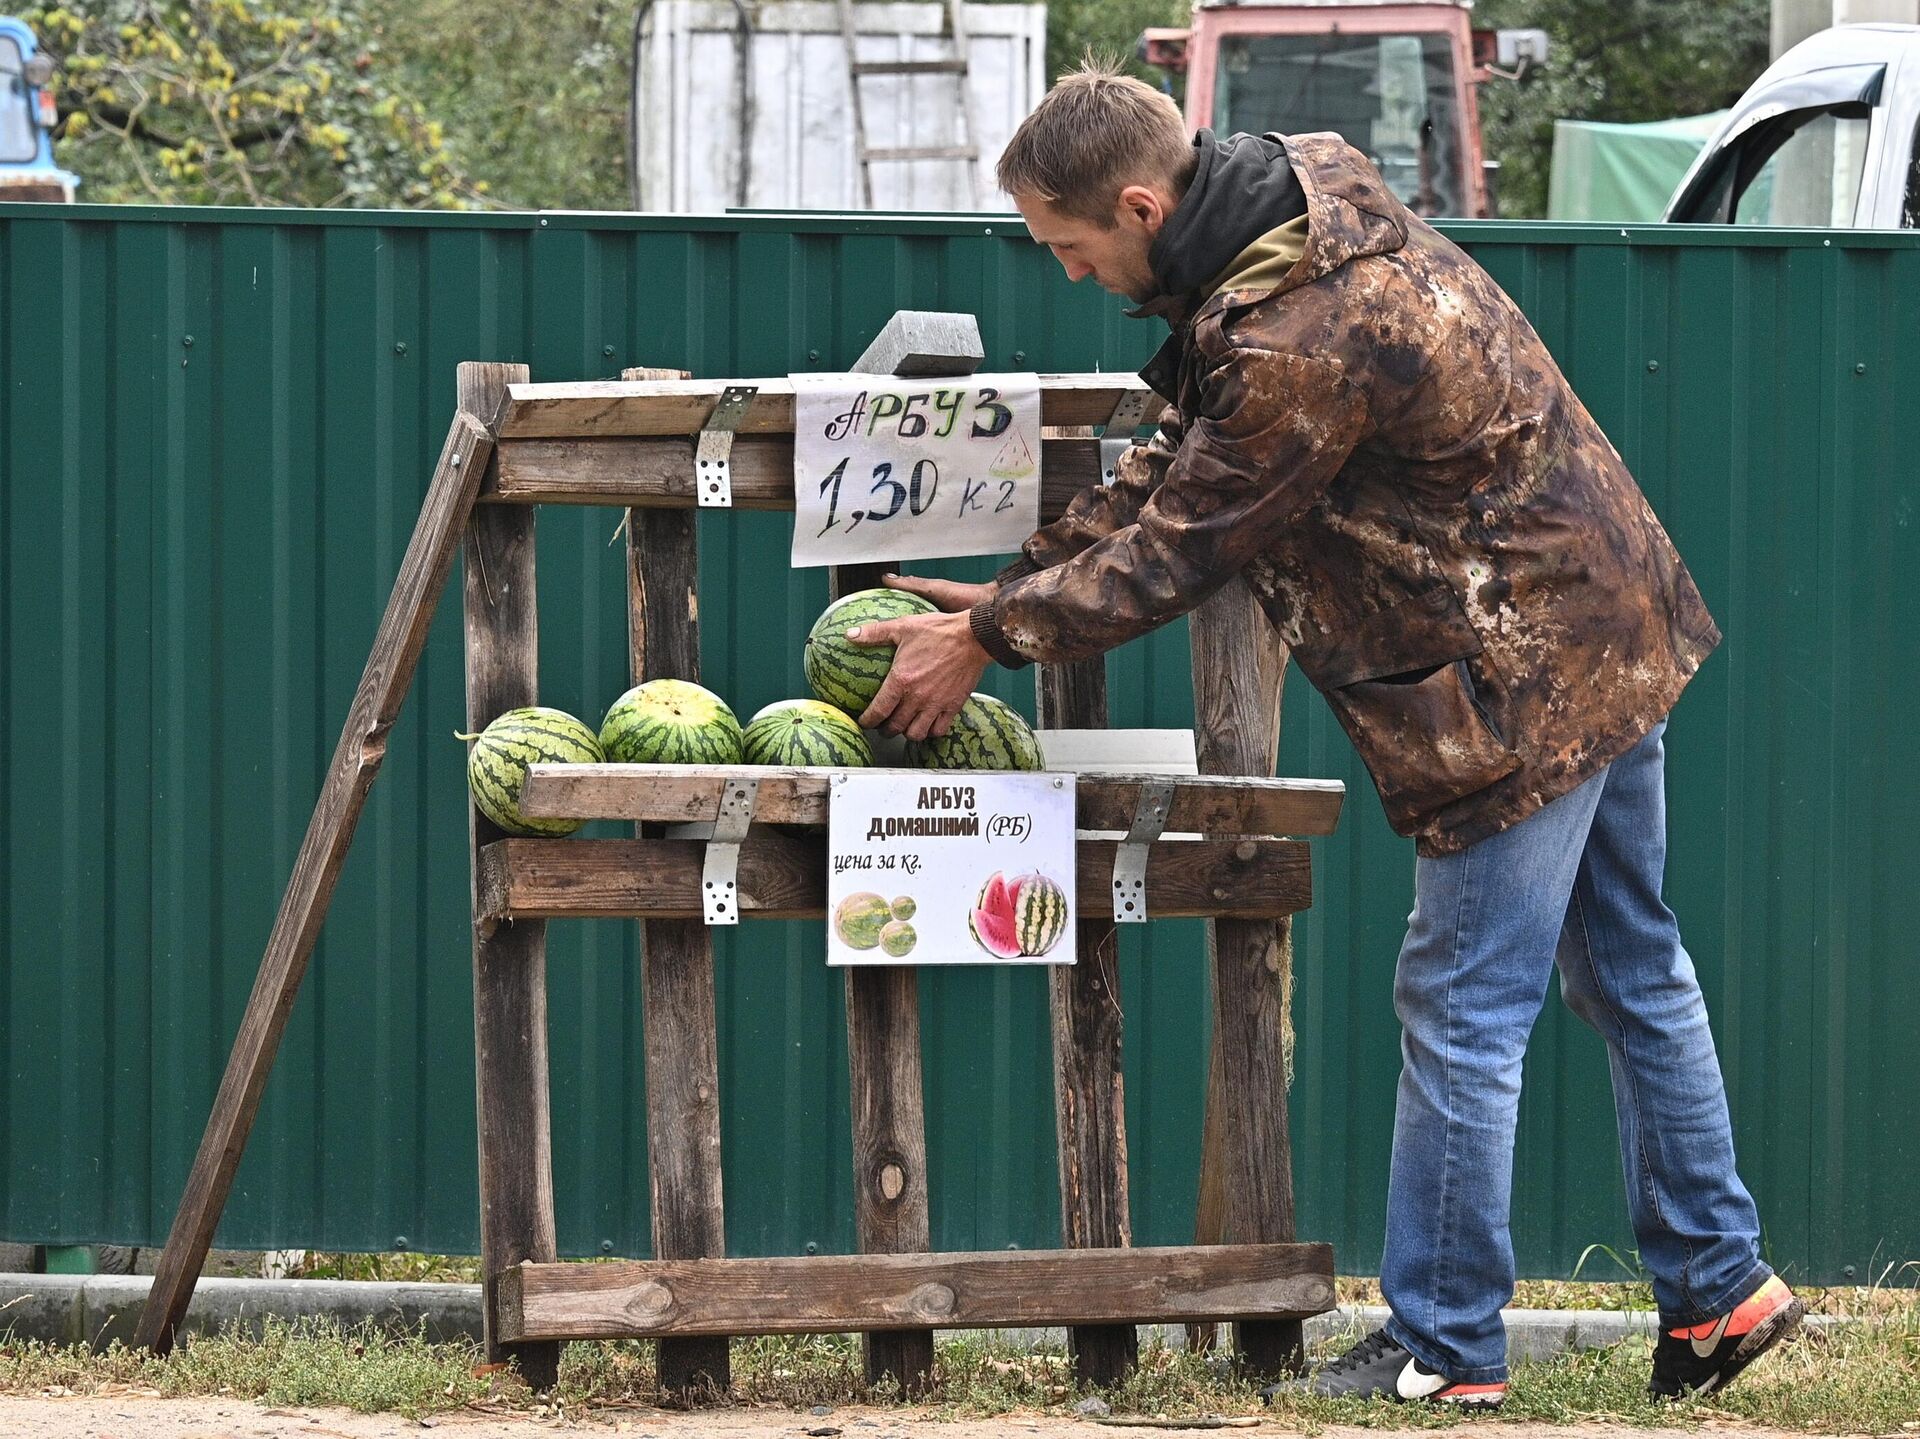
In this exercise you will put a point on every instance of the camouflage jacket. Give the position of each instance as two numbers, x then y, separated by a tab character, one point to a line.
1455	554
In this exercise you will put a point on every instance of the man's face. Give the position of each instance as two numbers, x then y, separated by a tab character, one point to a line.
1115	256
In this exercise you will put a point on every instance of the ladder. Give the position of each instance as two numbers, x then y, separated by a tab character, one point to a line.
967	147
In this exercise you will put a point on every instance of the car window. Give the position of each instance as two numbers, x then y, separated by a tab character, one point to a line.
1910	212
1803	168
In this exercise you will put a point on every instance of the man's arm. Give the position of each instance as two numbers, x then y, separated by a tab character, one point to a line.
1274	430
1099	510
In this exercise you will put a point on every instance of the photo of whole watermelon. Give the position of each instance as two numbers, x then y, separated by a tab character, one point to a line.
860	918
1019	917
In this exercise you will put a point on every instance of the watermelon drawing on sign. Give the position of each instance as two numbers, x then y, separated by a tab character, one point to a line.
1015	460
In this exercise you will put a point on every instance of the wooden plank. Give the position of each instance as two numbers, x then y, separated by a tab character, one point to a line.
888	1108
676	976
509	961
659	473
889	1148
1089	1097
395	652
783	876
997	1289
684	794
1238	666
681	407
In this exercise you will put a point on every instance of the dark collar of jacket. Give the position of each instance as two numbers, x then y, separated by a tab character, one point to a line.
1350	214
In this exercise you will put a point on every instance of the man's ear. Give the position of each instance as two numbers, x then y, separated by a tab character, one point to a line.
1144	206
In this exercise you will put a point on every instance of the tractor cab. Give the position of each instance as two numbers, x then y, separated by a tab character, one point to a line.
27	120
1397	81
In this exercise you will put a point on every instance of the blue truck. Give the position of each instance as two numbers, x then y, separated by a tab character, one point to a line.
27	120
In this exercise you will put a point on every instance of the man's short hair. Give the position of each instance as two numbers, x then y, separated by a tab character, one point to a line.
1095	133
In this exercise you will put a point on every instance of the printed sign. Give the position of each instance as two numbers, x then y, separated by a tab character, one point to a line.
888	469
944	867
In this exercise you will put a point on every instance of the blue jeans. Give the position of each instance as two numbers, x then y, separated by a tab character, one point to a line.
1576	884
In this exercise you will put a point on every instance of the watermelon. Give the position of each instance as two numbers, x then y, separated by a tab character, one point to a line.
1018	918
805	732
670	722
986	734
497	764
897	938
904	907
860	918
846	674
1039	913
993	932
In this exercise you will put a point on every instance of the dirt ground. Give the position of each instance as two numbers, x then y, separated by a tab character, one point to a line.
137	1418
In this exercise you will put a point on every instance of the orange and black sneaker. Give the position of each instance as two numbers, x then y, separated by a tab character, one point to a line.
1379	1368
1704	1358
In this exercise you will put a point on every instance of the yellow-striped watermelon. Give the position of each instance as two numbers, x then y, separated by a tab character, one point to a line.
805	732
497	764
841	672
1039	913
986	734
670	722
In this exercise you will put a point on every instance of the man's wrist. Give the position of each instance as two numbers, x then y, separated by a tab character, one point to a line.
987	634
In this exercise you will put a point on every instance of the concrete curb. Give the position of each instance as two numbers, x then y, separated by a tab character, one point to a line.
97	1309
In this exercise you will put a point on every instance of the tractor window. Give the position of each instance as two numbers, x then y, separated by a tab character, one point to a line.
19	144
1393	97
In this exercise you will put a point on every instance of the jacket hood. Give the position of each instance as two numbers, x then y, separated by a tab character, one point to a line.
1248	185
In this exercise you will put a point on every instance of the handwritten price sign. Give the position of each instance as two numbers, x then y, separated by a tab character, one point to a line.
888	469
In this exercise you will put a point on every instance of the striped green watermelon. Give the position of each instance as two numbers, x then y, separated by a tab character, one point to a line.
670	722
986	734
846	674
497	764
805	732
1018	917
1039	913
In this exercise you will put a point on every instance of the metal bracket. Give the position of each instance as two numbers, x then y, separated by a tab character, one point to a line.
719	876
713	455
1130	413
1130	859
1110	453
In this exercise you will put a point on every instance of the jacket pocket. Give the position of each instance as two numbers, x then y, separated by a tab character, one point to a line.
1400	685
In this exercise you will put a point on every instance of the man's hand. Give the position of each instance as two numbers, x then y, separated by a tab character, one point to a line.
937	664
948	595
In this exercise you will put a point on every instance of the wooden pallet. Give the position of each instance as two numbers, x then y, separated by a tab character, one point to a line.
515	444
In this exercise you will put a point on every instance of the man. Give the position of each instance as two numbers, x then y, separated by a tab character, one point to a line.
1363	425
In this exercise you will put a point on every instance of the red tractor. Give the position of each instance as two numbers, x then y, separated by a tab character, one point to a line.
1398	80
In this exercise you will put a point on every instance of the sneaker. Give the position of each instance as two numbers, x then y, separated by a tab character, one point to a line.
1379	1367
1703	1358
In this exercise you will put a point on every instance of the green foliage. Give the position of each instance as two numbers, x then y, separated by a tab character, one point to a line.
1106	27
533	97
1624	60
240	102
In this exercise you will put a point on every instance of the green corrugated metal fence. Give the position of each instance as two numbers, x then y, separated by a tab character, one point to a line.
214	432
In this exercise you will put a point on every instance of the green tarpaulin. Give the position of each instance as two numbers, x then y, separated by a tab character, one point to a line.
1605	171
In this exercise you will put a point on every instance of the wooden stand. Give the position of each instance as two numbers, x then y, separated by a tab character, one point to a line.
630	443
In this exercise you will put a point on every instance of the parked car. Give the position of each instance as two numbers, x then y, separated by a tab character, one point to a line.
1826	138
